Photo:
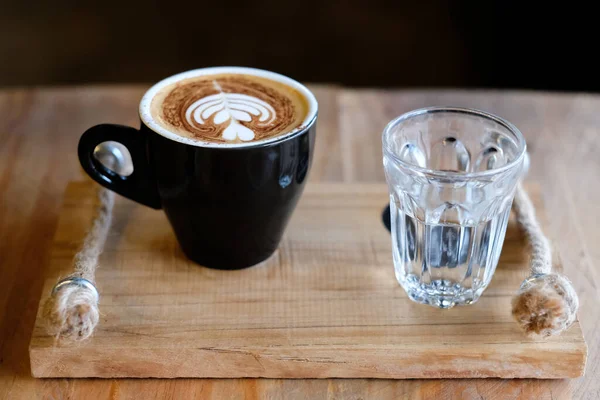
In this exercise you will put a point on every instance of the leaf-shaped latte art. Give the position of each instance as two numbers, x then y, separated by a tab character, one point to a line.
231	108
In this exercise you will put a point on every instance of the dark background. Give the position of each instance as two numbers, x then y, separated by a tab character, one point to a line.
484	44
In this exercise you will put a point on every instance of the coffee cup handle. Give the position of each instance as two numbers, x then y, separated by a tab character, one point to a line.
140	185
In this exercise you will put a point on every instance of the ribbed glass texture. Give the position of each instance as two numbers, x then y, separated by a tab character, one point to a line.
451	174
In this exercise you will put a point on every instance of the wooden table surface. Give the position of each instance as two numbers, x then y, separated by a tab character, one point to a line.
39	129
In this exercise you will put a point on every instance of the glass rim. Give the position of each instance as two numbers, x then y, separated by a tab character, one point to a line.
458	110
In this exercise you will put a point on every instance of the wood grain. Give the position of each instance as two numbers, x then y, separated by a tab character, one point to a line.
565	166
325	305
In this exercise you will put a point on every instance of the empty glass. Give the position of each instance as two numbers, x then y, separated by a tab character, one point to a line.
452	174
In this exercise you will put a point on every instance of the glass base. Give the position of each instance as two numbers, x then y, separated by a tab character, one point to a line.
439	293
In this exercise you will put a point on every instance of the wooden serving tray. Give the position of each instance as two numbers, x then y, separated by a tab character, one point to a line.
326	304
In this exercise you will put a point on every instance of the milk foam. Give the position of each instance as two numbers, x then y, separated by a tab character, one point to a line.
235	114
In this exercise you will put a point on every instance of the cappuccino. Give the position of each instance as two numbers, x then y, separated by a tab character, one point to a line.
229	108
225	151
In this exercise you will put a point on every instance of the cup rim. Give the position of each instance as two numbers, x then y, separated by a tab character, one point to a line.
150	122
455	175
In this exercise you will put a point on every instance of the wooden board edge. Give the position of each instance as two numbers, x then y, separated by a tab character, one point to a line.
365	363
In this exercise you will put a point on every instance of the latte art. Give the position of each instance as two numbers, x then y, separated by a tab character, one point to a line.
230	108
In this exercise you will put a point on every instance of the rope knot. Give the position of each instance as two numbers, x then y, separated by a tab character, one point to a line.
545	305
71	311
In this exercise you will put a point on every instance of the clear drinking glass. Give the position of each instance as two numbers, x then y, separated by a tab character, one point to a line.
452	174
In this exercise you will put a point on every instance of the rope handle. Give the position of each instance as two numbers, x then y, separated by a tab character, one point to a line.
546	303
71	311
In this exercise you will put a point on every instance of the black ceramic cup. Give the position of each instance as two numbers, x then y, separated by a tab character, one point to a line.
228	204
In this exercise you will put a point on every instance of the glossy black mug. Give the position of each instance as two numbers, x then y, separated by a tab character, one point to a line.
228	204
